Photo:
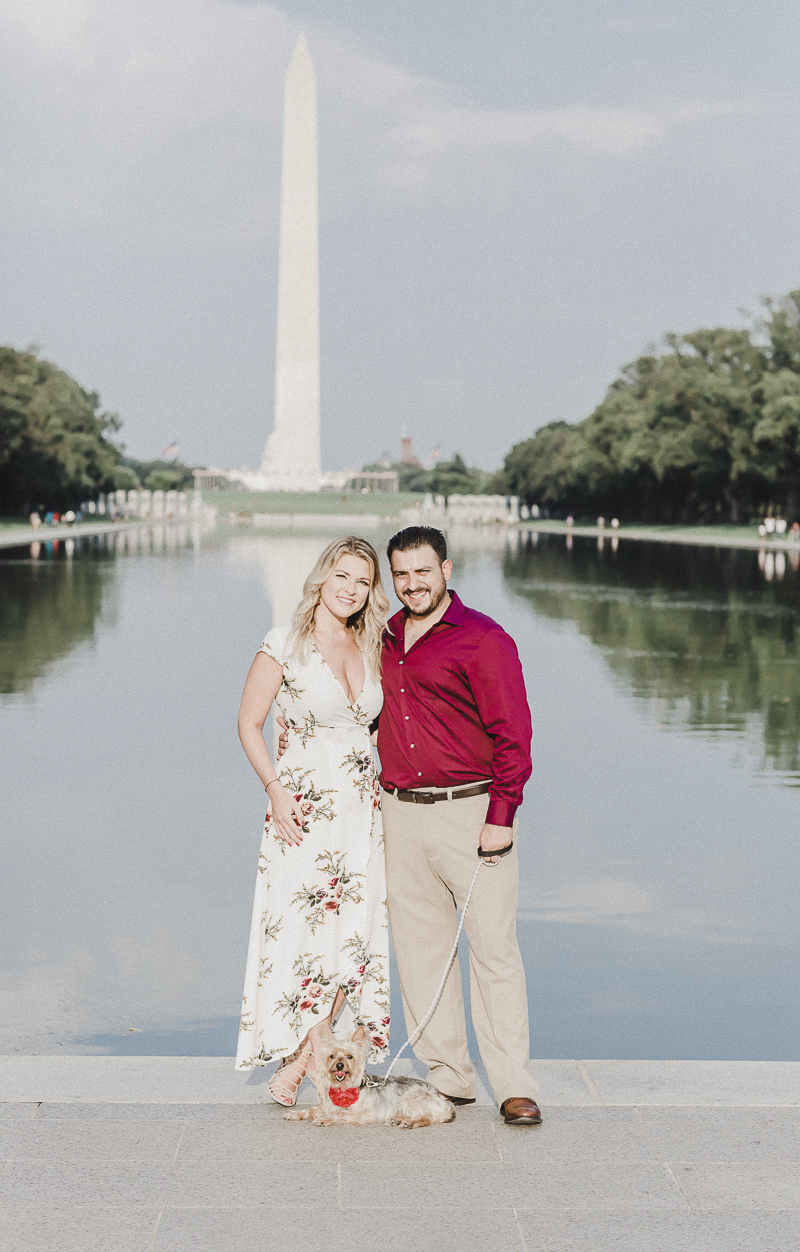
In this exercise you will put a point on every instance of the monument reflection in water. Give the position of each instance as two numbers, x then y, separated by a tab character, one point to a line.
658	839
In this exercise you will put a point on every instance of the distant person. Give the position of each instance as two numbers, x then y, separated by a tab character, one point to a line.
69	517
48	518
35	520
319	935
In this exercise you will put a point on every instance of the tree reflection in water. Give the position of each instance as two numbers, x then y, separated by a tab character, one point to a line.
49	604
703	633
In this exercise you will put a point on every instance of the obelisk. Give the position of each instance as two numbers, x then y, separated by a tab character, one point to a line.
291	458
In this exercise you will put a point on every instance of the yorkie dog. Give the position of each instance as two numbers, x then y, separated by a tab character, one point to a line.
349	1096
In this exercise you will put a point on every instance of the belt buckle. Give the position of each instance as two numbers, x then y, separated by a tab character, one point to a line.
423	797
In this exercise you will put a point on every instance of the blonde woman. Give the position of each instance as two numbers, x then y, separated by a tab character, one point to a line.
319	935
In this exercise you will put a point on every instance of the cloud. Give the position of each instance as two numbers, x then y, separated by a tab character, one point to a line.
162	117
599	131
49	23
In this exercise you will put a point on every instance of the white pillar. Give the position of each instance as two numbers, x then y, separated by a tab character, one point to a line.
292	454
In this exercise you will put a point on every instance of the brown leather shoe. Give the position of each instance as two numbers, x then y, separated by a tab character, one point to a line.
520	1111
460	1101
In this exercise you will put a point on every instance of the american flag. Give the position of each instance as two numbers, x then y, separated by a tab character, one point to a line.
434	456
171	450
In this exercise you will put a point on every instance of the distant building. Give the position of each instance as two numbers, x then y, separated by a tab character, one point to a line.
407	454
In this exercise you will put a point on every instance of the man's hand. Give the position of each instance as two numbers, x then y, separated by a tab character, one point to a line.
283	741
494	837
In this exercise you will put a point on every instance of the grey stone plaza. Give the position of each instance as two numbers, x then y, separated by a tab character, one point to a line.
181	1154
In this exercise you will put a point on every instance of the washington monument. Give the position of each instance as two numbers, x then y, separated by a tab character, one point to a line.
291	460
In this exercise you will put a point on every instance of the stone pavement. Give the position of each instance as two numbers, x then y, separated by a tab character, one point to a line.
166	1154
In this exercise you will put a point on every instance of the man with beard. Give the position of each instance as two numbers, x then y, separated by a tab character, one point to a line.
454	741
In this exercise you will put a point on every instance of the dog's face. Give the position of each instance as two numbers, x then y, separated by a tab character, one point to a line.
343	1064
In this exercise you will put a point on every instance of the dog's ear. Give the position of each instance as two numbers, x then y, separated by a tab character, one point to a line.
359	1036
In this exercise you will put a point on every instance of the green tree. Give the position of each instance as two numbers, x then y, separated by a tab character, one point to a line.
54	444
707	428
540	470
125	479
165	479
179	475
451	478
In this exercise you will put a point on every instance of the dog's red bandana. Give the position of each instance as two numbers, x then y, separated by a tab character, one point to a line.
343	1097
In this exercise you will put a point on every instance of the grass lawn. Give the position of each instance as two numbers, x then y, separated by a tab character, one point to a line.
15	523
384	503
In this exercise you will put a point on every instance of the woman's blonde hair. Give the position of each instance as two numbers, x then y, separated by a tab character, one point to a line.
367	625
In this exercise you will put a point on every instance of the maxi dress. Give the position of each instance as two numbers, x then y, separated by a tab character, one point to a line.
319	914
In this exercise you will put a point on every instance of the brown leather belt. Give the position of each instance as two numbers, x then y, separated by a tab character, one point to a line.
443	793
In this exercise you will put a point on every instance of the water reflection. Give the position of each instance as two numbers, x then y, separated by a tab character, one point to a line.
47	608
695	631
50	603
658	910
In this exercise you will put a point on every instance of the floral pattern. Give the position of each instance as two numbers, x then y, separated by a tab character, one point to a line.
319	915
329	897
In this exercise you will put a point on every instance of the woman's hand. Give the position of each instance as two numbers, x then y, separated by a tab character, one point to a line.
283	740
287	816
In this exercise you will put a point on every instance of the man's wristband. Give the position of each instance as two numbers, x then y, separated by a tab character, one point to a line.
496	851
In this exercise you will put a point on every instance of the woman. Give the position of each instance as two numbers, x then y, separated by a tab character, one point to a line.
319	935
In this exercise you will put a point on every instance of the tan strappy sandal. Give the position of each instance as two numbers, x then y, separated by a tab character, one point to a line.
285	1083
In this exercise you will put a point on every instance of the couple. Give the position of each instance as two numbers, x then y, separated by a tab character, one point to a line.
439	689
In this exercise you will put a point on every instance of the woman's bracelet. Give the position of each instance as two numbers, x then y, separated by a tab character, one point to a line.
271	781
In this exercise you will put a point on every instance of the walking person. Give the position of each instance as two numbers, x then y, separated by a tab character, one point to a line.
454	742
319	935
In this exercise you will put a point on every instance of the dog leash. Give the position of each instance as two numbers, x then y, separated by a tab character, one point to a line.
446	973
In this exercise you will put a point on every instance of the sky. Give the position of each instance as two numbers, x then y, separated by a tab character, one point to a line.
515	201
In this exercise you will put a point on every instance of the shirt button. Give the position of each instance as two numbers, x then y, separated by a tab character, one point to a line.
406	717
402	688
401	662
419	775
412	745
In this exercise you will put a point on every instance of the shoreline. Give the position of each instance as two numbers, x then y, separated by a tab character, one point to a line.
680	535
48	534
22	537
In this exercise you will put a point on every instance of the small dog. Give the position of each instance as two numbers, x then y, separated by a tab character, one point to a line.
345	1099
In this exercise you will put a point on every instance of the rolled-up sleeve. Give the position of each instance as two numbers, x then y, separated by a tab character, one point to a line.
498	686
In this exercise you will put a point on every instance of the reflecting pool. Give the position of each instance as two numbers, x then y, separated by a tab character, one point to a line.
658	839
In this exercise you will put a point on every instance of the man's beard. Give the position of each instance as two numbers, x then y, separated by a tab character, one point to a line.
432	607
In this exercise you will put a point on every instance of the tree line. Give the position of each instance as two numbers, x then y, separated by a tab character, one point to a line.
708	429
57	447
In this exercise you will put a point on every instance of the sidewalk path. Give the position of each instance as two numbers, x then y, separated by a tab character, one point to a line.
182	1154
19	537
705	538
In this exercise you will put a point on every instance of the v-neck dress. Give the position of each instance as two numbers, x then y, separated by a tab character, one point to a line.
319	915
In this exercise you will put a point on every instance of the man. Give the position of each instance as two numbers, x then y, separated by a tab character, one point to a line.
454	741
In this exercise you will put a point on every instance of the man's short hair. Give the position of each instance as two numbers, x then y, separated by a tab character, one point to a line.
418	537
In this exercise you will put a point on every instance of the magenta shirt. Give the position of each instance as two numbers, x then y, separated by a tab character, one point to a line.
455	710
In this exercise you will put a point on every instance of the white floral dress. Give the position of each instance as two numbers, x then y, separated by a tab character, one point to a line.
319	915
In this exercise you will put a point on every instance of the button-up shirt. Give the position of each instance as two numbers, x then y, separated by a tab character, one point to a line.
455	709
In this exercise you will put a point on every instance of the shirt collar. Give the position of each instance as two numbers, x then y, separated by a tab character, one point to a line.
454	616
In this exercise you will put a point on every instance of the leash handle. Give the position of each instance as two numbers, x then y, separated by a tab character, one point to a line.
448	967
497	851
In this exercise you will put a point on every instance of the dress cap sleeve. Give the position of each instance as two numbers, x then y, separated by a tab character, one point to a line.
274	643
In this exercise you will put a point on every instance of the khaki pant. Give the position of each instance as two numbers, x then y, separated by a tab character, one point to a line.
431	856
